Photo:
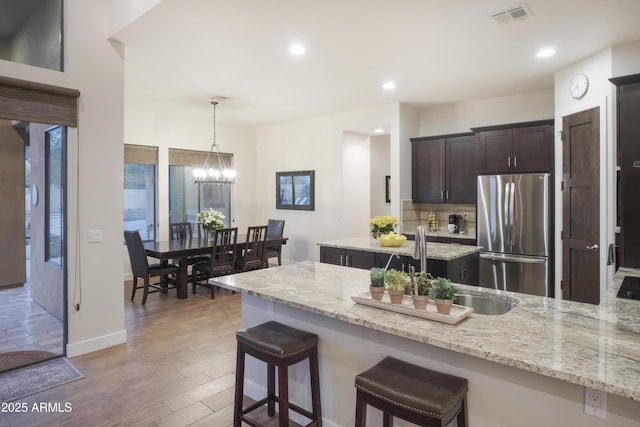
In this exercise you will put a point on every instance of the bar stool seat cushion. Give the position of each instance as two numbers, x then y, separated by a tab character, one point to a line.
412	387
277	339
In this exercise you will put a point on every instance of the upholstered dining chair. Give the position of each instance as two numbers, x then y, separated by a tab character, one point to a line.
252	254
221	262
181	230
275	229
140	268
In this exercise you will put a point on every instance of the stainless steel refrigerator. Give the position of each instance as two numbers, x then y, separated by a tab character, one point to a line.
514	232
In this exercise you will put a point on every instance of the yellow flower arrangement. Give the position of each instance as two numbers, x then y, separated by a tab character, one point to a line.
382	225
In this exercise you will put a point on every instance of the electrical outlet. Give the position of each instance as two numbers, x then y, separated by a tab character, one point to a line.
595	403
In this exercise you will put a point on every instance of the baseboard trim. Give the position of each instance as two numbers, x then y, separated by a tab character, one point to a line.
95	344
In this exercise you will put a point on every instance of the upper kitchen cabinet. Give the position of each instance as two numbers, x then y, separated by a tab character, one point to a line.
628	111
515	148
443	169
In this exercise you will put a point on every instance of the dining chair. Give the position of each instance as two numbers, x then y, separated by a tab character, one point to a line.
275	229
140	268
222	260
181	230
252	254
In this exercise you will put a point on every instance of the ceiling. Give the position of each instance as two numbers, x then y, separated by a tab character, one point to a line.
182	53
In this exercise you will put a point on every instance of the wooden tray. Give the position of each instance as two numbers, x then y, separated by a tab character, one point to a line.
458	312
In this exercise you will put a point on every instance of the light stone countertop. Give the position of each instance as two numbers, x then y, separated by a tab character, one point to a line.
589	345
441	251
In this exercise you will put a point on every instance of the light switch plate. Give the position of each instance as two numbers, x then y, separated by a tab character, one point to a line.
95	236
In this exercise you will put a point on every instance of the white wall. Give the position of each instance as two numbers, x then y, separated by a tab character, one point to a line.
314	144
146	125
380	168
461	117
94	66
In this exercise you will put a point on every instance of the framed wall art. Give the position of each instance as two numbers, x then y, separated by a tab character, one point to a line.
295	190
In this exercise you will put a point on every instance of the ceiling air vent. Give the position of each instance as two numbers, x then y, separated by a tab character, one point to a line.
511	14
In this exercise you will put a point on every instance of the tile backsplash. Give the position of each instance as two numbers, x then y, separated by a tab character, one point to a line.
414	214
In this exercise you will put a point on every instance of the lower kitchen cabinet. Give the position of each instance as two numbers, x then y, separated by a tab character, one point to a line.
461	270
347	257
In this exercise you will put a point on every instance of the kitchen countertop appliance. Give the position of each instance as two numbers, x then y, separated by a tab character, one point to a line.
514	232
454	223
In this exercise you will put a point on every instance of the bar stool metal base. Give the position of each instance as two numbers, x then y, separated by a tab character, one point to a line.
279	346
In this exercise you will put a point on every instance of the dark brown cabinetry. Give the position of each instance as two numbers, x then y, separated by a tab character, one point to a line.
461	270
515	148
443	169
347	257
628	102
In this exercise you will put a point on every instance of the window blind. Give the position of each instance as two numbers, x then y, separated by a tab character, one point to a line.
179	157
38	103
140	154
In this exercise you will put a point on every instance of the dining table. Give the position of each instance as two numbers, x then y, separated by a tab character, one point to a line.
180	250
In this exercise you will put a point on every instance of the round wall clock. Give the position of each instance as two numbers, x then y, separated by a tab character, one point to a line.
578	86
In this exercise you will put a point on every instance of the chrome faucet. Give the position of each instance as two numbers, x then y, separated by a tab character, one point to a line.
389	261
420	250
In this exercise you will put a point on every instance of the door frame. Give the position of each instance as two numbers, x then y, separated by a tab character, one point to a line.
606	182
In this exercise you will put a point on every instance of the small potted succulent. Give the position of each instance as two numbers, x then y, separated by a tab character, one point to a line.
377	283
421	286
444	292
395	281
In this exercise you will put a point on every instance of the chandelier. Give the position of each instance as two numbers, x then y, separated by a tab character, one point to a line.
214	170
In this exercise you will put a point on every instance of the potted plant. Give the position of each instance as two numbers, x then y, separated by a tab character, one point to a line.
395	281
377	283
382	225
444	292
421	286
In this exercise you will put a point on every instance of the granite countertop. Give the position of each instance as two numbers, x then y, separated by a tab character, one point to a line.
441	251
589	345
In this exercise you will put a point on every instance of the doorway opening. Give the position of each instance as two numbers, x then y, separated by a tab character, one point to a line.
32	292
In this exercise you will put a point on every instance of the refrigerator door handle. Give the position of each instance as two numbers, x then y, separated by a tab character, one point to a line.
524	260
512	213
507	238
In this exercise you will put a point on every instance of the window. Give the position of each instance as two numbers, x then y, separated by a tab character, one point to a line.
55	152
140	190
186	198
32	33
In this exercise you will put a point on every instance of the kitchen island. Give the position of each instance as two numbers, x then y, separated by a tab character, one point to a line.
527	367
454	261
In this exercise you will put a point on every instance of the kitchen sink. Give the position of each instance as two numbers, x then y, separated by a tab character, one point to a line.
484	304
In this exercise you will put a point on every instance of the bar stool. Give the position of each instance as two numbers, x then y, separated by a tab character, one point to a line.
415	394
278	346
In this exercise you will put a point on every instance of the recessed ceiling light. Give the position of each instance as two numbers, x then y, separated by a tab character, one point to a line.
297	49
378	130
545	53
389	85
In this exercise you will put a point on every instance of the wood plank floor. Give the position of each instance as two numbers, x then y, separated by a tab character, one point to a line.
176	369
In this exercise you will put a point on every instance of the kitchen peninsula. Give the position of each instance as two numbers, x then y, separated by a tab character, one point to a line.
527	367
455	261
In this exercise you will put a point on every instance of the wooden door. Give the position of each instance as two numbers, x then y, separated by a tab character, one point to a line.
493	155
461	170
581	206
532	149
427	171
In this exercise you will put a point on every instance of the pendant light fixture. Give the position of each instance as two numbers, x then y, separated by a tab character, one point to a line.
214	170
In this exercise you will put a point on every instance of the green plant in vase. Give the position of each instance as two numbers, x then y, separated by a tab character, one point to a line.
444	292
395	281
377	283
421	283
